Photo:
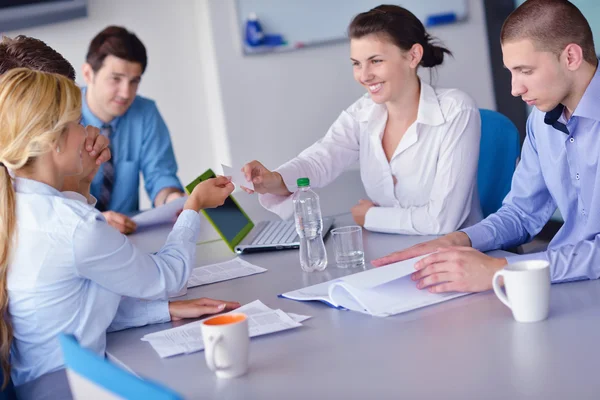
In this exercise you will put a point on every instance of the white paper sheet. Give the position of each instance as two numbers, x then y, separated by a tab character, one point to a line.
237	176
262	320
161	214
224	271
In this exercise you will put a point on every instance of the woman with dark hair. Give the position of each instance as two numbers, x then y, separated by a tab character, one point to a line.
418	146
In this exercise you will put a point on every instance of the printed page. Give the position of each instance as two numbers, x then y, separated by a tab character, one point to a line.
262	320
166	213
391	298
380	275
319	292
224	271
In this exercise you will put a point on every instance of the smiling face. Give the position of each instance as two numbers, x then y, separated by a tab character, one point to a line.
381	67
112	89
540	78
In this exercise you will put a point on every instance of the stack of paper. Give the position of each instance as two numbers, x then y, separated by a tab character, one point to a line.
380	291
224	271
184	339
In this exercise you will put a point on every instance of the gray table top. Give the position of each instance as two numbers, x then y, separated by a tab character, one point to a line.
468	347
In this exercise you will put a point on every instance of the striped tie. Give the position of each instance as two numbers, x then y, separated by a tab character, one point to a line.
108	172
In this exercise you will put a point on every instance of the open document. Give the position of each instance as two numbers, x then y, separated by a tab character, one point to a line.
262	320
235	268
380	292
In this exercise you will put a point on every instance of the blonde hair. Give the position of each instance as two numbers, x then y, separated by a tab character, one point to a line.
35	108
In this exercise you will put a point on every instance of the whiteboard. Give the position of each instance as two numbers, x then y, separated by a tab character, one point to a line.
309	22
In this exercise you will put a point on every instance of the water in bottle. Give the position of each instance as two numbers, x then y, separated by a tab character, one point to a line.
309	226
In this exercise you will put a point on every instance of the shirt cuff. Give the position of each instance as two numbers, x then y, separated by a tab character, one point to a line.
289	174
189	219
481	237
163	183
158	311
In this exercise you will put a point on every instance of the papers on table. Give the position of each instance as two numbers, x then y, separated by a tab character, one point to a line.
184	339
379	292
224	271
161	214
237	176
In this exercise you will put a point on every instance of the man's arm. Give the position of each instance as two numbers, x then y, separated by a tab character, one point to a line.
158	162
526	208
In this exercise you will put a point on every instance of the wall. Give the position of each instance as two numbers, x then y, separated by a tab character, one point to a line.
276	105
179	58
221	105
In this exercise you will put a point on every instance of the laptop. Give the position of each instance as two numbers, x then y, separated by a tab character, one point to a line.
241	234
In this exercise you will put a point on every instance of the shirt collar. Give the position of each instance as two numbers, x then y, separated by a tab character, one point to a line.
90	118
589	103
429	112
30	186
587	107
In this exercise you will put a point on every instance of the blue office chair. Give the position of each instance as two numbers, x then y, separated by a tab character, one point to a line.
498	154
91	376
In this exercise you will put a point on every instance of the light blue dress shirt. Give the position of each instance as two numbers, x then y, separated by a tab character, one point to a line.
71	272
140	141
559	168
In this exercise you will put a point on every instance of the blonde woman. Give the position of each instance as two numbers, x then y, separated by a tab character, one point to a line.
62	267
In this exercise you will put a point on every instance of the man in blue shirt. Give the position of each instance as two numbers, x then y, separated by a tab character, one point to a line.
140	140
548	47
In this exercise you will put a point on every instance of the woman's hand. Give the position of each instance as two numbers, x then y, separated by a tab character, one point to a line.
264	180
209	194
196	308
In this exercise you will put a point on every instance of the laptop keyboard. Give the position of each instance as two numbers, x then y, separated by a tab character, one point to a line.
276	232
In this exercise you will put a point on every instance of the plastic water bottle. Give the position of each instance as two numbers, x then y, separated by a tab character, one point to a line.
309	226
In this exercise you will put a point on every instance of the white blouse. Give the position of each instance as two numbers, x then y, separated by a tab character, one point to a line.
435	164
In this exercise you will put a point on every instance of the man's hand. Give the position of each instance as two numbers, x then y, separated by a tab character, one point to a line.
451	239
457	269
196	308
359	211
121	222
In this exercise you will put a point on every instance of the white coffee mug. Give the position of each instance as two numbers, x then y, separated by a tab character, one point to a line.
226	344
527	285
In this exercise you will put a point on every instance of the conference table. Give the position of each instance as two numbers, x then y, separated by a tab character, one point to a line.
465	348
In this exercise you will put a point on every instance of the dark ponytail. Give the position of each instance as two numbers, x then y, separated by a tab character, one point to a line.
402	27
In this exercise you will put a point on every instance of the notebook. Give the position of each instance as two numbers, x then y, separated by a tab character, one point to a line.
380	292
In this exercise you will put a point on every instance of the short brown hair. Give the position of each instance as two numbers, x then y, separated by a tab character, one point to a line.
119	42
551	25
27	52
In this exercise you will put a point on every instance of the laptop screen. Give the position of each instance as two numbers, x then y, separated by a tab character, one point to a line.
229	220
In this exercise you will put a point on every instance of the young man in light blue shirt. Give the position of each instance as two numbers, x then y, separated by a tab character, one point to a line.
140	140
549	49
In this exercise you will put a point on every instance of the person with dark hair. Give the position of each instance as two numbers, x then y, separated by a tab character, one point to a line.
549	49
27	52
140	140
418	146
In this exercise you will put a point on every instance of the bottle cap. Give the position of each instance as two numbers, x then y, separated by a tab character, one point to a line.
302	182
252	16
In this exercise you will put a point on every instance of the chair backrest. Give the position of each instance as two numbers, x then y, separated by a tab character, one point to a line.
93	377
498	154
